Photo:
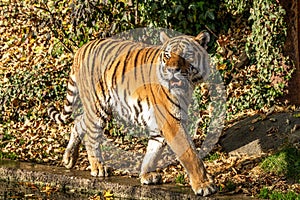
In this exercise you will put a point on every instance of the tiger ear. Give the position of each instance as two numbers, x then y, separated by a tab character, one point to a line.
203	39
163	37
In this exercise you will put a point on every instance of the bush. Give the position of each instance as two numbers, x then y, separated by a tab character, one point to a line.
263	77
265	193
74	23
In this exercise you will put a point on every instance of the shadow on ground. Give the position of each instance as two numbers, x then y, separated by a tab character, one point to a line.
261	134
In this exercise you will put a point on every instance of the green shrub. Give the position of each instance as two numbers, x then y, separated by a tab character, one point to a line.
75	23
265	193
265	78
285	162
212	157
180	179
264	49
189	17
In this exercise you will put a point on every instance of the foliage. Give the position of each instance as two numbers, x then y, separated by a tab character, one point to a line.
264	48
260	73
230	186
200	100
33	72
265	193
188	17
285	162
212	157
180	179
237	7
74	23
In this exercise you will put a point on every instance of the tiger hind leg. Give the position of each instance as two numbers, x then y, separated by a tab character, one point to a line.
71	153
154	150
92	145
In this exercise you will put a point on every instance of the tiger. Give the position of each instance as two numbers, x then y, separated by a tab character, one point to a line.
149	85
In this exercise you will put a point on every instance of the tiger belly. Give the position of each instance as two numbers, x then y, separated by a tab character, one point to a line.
138	112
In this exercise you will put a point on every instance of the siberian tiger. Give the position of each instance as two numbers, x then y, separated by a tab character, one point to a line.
146	84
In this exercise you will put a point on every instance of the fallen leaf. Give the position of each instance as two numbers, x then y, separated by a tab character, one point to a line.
222	67
108	195
22	59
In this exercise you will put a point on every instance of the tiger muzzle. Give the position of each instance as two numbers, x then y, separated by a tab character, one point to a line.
175	83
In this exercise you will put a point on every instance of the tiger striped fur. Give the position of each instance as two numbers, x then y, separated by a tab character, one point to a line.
148	85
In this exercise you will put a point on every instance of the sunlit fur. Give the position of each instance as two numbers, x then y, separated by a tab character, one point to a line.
147	85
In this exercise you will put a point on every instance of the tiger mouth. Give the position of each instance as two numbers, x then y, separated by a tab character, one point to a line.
176	83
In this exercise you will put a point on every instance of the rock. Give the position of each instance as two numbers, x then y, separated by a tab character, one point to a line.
294	137
257	135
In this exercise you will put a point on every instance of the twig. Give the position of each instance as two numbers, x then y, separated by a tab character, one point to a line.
211	31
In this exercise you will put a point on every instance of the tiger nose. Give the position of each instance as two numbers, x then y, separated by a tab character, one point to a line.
173	70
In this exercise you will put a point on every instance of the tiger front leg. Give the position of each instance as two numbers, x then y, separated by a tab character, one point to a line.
97	166
153	153
201	182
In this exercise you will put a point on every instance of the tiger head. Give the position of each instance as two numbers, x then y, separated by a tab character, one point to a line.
184	61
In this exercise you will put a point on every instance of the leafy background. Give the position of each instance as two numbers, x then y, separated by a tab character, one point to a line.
39	38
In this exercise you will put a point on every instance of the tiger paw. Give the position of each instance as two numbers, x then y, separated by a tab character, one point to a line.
151	178
205	189
70	157
97	168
